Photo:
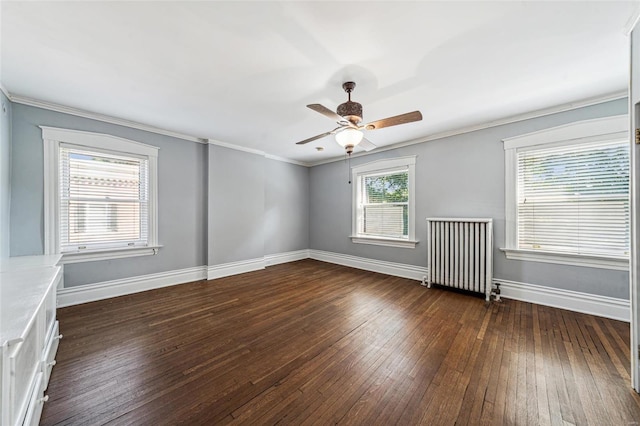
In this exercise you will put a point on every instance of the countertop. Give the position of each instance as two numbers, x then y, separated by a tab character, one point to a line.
24	281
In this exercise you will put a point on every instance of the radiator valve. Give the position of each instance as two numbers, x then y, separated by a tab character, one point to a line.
496	293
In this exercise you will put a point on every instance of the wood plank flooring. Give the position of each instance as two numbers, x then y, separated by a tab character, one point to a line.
314	343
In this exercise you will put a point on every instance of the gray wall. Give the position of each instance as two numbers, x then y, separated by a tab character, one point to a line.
236	205
218	205
215	205
457	176
181	197
286	213
5	173
257	206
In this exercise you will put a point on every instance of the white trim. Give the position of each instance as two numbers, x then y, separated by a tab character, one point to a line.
91	256
51	160
385	163
100	117
634	296
5	91
403	270
256	152
236	147
617	124
98	140
578	132
632	21
382	165
584	260
495	123
139	126
107	289
104	290
52	139
286	160
291	256
602	306
511	197
380	241
235	268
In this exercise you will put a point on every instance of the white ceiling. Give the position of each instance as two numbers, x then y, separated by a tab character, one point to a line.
242	73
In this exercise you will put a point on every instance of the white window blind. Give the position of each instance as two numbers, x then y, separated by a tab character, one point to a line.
103	199
384	202
574	199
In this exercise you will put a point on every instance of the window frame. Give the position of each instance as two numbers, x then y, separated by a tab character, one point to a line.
53	138
378	167
580	132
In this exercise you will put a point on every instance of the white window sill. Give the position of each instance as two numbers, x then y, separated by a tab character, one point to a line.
588	261
107	254
381	241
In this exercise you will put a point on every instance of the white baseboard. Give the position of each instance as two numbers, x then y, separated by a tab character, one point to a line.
107	289
602	306
390	268
114	288
235	268
291	256
608	307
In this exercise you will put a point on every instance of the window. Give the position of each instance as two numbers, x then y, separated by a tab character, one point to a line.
100	198
383	203
568	195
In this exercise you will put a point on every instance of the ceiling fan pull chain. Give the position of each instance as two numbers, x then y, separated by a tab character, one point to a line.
349	169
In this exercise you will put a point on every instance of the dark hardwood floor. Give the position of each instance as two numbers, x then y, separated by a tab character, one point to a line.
311	342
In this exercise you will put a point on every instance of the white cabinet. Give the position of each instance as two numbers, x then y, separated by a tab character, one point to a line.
29	335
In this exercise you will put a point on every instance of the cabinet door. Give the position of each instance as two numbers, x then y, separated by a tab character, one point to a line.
48	358
36	402
50	305
25	361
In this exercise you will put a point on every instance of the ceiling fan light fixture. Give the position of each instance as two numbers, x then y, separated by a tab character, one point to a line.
349	137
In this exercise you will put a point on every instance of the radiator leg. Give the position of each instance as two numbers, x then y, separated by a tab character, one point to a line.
424	282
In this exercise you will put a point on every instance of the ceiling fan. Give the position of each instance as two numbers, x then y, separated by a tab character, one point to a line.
349	118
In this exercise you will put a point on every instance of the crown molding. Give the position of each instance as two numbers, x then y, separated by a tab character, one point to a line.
257	152
632	21
495	123
135	125
236	147
287	160
100	117
5	91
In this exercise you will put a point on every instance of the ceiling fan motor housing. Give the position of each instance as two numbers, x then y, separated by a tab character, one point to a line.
350	110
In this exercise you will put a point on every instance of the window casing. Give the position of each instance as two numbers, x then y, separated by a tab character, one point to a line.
383	203
100	196
567	195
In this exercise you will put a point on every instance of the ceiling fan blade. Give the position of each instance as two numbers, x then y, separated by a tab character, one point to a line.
366	144
394	121
327	113
311	139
